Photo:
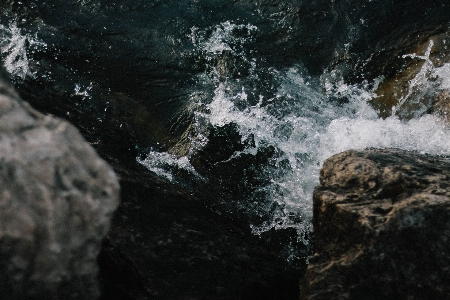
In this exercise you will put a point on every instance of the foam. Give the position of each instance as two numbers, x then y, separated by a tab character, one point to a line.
14	47
305	124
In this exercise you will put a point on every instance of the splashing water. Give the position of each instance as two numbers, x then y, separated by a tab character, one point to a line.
14	46
306	119
84	92
222	38
163	165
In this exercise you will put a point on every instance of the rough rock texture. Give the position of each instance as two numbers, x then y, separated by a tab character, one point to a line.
381	228
123	71
56	200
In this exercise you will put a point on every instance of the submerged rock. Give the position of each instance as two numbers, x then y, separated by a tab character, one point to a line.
419	86
57	199
381	227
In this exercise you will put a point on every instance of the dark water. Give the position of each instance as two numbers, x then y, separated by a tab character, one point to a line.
239	102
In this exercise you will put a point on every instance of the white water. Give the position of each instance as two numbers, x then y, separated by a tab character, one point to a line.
162	164
303	122
14	48
300	119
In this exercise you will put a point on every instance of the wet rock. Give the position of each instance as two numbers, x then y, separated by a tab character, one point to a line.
441	106
165	243
119	70
381	227
387	31
57	199
418	87
125	73
127	62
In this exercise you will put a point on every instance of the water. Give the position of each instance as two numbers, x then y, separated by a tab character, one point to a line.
259	134
15	47
305	119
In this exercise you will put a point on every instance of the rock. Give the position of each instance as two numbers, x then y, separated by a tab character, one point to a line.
415	88
164	243
381	227
57	198
118	71
125	72
441	106
70	47
385	31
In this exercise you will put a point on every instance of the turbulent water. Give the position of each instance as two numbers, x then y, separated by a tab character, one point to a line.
284	121
306	119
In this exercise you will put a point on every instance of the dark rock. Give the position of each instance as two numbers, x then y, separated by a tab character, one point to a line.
127	98
415	88
57	200
124	71
381	227
393	30
166	244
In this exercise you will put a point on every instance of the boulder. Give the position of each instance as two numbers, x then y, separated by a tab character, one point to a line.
381	227
56	200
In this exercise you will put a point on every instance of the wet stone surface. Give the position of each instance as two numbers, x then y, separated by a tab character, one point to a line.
381	230
126	73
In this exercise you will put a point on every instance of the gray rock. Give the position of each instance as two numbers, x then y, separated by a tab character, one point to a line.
56	200
381	228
